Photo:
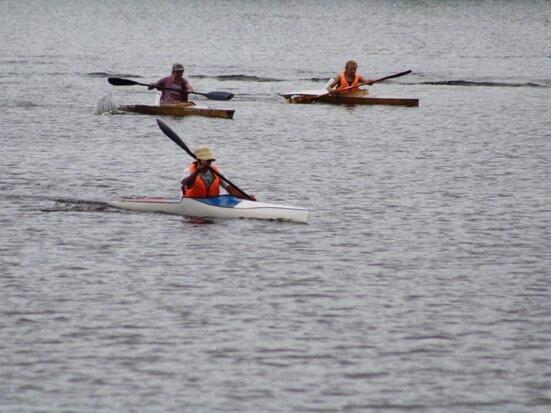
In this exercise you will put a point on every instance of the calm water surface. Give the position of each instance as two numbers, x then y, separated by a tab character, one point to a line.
421	282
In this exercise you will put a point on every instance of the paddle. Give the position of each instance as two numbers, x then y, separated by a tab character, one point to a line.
336	92
407	72
370	83
117	81
176	139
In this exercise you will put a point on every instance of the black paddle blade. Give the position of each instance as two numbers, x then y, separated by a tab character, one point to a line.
117	81
219	95
174	137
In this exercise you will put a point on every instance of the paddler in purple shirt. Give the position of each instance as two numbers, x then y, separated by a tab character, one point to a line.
174	81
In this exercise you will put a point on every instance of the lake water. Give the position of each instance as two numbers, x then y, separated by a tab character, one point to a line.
422	281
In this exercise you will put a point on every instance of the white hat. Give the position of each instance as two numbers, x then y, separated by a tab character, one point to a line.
204	153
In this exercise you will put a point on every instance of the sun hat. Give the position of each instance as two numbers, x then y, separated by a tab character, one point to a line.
177	67
204	153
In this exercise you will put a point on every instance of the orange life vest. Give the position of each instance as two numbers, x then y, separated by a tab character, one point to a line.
200	188
344	83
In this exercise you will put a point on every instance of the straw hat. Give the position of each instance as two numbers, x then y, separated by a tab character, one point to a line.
204	153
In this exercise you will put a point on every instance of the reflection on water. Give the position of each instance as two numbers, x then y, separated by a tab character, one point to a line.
198	222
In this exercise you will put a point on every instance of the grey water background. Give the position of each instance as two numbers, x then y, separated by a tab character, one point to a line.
421	282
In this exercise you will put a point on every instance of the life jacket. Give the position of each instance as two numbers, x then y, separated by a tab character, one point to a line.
344	83
200	188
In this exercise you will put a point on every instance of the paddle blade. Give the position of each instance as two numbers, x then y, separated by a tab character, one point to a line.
174	137
117	81
216	95
220	95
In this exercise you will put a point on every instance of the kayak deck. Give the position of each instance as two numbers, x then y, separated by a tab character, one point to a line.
224	206
188	109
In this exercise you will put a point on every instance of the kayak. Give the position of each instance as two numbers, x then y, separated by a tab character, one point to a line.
354	98
343	99
178	109
224	206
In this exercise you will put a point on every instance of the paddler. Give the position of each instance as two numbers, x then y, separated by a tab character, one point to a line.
201	182
348	81
176	80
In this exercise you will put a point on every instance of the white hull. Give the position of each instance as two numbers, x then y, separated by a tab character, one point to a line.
225	206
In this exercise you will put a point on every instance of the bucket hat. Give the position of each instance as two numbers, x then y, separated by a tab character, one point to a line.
204	153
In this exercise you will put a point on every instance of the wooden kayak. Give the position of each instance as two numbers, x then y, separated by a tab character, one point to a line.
350	100
224	206
355	98
178	110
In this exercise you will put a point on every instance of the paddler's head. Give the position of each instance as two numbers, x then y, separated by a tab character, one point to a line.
204	154
177	70
351	67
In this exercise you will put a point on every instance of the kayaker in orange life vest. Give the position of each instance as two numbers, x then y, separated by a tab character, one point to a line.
348	78
174	81
201	182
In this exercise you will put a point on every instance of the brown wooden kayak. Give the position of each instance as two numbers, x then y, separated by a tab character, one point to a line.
178	110
349	99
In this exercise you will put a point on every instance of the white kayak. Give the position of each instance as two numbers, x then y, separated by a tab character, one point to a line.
224	206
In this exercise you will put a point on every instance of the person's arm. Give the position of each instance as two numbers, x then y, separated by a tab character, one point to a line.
334	83
155	85
189	180
234	192
361	79
188	86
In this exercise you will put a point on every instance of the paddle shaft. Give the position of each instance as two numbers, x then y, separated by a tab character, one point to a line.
176	139
116	81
